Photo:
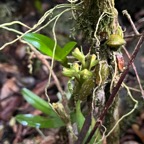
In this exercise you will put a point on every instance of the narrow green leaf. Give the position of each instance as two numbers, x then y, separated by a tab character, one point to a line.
39	121
79	116
43	43
66	49
46	46
38	103
97	135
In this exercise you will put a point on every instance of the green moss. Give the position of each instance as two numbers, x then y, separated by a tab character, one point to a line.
100	14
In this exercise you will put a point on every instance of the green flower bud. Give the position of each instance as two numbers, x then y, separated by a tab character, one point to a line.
68	72
72	72
93	61
79	55
76	67
86	74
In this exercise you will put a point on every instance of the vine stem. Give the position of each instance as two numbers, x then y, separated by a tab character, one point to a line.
125	12
137	76
45	62
116	88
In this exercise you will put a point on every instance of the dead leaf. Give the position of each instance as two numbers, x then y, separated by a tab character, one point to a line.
8	68
8	89
137	131
10	107
49	140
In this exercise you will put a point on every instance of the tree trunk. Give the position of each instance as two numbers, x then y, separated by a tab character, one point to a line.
99	20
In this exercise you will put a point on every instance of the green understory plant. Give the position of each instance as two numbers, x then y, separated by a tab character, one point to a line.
51	120
81	70
89	112
87	72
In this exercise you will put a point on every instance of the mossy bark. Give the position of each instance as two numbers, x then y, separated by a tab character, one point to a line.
101	13
98	20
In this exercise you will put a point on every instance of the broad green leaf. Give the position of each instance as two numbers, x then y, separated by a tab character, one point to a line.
39	121
43	43
38	103
46	45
